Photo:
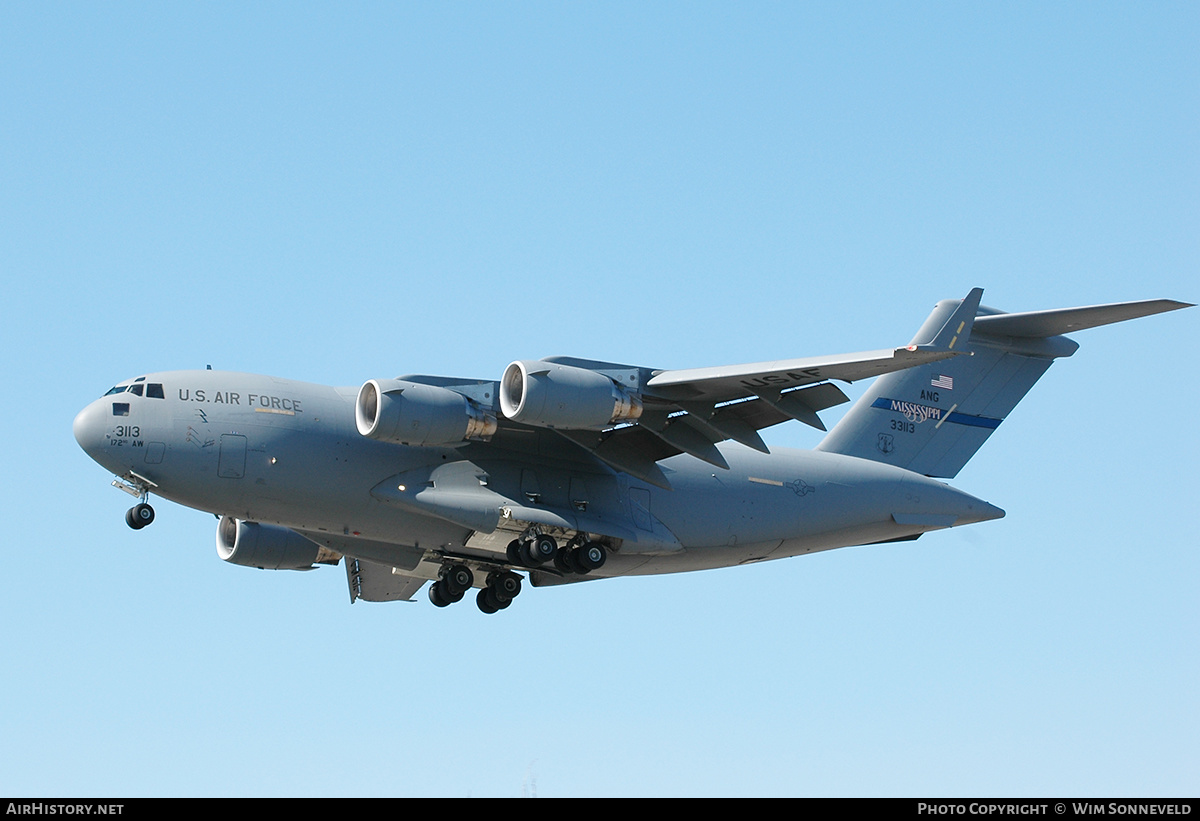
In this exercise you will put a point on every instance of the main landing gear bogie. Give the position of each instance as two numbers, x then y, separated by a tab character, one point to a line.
532	551
456	580
502	587
579	556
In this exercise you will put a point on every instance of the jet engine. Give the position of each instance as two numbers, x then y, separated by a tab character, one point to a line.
268	547
551	395
409	413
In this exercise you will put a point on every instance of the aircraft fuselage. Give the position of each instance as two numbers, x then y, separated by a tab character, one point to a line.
268	450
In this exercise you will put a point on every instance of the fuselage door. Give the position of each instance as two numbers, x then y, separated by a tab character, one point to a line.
232	462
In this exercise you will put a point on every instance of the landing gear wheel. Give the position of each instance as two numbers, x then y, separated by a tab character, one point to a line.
542	549
437	595
505	586
487	601
562	560
590	556
458	579
139	516
514	552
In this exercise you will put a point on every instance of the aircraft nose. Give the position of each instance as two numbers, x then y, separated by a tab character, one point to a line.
88	428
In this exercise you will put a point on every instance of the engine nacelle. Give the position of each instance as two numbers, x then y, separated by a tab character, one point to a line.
409	413
551	395
268	547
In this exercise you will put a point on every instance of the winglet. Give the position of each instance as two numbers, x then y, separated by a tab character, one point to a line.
957	329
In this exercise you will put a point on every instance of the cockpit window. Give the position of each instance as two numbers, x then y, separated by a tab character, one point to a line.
154	390
120	408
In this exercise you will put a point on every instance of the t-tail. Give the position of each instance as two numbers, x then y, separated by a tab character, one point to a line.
932	418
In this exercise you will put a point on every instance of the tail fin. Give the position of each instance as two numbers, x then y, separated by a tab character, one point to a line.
931	419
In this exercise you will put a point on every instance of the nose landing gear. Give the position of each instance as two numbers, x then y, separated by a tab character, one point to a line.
139	516
139	487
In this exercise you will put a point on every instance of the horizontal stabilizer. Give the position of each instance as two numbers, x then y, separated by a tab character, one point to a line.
1041	324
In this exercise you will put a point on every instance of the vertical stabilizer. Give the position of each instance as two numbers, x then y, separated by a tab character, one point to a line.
931	419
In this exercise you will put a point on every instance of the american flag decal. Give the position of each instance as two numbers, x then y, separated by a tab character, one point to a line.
944	382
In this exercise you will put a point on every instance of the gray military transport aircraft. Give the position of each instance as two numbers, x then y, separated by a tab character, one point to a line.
571	469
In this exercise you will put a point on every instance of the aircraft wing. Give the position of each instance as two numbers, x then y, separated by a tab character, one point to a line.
690	410
629	417
768	380
731	382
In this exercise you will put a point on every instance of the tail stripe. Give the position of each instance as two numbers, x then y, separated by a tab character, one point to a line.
922	413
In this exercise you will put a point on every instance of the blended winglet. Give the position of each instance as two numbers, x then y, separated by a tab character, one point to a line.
956	332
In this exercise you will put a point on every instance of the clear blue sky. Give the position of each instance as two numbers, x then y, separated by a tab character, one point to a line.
336	192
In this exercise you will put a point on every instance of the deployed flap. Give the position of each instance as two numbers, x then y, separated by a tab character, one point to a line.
802	404
679	433
402	556
634	450
725	422
371	581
